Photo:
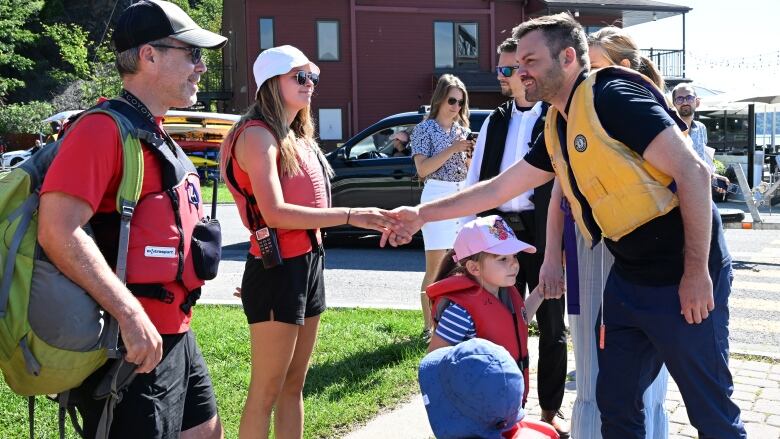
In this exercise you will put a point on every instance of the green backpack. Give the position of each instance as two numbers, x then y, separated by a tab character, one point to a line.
53	335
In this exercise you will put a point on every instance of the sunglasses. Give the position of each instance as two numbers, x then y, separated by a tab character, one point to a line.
506	71
302	76
679	100
196	53
453	101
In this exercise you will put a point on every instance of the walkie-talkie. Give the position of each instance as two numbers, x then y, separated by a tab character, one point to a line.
269	247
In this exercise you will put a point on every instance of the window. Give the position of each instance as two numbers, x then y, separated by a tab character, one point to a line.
330	123
455	44
443	43
266	30
328	40
382	144
591	29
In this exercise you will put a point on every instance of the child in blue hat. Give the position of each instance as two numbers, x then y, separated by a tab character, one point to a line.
474	390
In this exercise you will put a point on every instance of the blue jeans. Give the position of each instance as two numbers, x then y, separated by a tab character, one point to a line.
644	329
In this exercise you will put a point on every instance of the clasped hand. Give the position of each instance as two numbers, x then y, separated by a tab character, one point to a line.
380	220
408	222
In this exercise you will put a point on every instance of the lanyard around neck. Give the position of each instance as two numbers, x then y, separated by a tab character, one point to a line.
138	105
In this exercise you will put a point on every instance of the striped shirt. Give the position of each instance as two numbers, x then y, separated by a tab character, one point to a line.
456	325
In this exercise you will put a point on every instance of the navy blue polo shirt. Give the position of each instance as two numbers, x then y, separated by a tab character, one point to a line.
653	253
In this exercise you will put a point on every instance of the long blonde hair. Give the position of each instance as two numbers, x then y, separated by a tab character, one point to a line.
446	82
269	107
618	45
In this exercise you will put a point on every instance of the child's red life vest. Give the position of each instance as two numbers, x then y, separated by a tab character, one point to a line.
492	319
527	429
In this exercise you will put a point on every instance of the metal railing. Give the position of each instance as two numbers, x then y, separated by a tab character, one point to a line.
670	62
217	79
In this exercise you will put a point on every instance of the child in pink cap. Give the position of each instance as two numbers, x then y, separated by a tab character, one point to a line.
475	296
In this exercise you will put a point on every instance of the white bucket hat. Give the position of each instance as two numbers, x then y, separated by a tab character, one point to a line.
277	61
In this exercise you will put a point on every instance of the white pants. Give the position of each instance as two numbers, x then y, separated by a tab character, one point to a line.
440	235
586	418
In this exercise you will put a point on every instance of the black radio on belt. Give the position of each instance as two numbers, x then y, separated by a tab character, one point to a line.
269	247
514	220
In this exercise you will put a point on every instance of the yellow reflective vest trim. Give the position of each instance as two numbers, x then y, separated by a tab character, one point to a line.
623	190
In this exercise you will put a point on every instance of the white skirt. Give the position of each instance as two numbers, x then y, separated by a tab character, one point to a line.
440	235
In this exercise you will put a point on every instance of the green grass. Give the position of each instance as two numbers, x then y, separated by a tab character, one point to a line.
365	360
223	194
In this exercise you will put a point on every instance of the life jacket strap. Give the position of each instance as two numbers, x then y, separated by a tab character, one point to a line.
151	291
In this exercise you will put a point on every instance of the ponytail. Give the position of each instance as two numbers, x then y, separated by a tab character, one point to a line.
648	68
449	267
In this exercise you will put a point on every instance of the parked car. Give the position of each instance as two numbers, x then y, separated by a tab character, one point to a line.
13	158
367	173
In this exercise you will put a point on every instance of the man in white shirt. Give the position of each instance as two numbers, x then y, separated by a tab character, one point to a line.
504	139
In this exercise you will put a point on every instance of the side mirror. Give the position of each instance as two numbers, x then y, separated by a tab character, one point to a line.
341	154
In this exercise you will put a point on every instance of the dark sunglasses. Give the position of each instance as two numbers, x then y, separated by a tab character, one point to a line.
302	76
196	53
506	71
679	100
453	101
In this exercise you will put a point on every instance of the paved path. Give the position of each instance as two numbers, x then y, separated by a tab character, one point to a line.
756	392
370	277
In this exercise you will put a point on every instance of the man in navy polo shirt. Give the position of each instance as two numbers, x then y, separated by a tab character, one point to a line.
666	299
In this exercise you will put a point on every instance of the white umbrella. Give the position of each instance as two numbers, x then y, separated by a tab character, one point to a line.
763	98
62	115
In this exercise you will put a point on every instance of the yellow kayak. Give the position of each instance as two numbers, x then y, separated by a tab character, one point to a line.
201	162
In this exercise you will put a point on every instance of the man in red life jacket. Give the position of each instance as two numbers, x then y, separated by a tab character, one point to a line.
159	60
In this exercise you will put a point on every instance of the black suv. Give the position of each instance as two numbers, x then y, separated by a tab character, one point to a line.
367	173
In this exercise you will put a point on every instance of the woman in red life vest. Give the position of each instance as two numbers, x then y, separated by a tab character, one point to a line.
478	298
279	179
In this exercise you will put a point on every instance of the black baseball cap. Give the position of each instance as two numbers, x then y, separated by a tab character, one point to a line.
150	20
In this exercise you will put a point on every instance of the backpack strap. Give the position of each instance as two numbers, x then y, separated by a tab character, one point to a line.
24	213
127	197
31	415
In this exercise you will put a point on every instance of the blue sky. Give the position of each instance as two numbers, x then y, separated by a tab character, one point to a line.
733	46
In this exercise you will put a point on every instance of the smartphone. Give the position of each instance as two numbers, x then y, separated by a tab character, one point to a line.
269	247
472	135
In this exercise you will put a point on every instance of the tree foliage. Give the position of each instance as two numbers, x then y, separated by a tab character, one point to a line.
59	50
24	118
72	42
14	34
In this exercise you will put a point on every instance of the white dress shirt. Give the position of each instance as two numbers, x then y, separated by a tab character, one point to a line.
516	146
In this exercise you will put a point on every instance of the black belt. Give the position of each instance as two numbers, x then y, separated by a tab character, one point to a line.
156	291
524	221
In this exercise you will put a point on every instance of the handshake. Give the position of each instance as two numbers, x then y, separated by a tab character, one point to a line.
397	226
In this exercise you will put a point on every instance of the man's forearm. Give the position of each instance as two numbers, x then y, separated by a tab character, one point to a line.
519	178
696	210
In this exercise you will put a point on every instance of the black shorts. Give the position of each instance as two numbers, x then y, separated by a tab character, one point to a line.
293	290
176	396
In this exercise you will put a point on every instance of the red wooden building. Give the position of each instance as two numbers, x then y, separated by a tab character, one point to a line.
380	57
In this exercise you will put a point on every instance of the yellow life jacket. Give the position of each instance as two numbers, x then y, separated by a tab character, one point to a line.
621	188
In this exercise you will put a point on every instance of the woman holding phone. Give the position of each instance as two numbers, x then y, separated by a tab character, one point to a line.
441	151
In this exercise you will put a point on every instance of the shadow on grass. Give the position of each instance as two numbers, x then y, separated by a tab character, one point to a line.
355	373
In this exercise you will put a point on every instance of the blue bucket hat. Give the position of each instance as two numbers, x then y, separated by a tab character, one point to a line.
472	389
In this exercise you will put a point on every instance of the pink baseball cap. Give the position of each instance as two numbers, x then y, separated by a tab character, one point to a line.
490	234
